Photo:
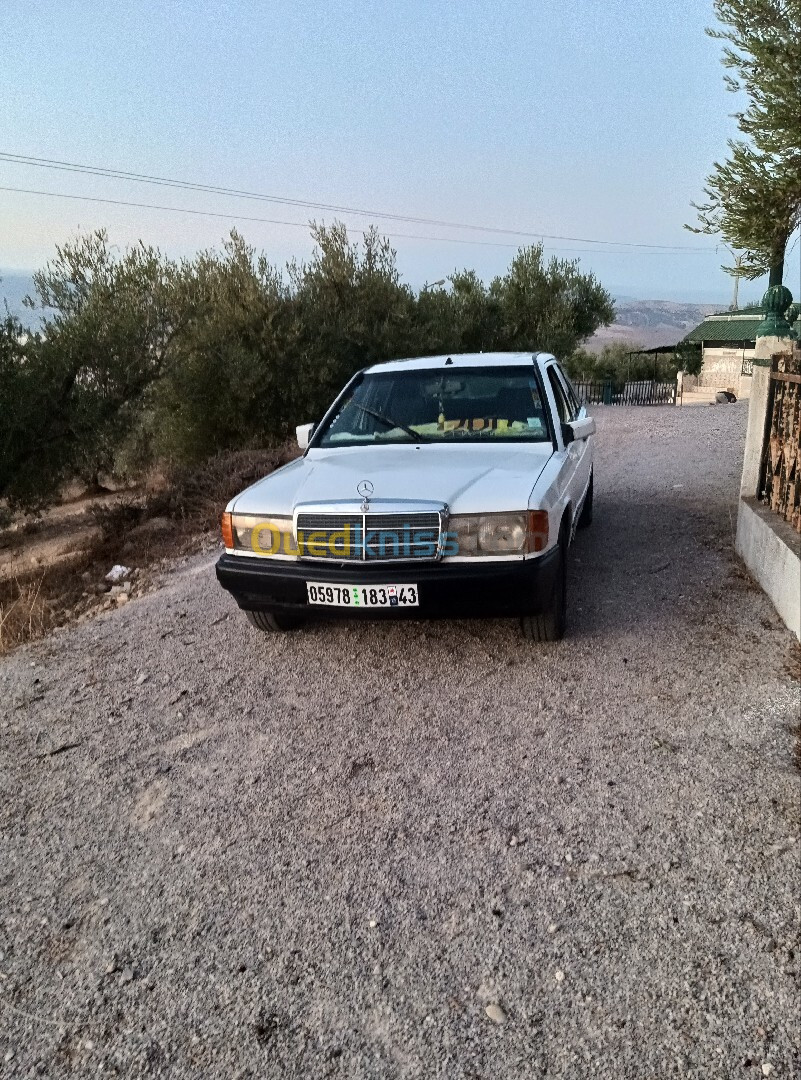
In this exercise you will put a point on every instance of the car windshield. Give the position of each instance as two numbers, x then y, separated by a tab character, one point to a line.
463	404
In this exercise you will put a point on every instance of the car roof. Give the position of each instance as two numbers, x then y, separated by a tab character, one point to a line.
462	360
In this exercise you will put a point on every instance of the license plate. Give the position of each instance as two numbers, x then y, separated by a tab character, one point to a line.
362	596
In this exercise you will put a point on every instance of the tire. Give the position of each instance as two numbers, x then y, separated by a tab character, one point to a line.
551	625
585	517
271	623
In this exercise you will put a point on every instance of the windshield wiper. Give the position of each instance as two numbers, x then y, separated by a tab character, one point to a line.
390	423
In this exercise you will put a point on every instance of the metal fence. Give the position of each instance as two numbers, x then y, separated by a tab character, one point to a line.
780	480
646	392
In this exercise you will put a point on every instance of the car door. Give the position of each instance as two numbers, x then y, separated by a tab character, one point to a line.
584	447
573	451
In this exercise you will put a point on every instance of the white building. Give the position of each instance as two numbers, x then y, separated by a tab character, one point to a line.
728	341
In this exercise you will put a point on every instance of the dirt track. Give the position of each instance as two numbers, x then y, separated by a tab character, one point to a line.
325	854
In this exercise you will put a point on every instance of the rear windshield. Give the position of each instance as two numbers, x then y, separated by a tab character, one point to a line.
490	404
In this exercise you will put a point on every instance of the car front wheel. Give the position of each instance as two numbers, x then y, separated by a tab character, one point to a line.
550	625
272	623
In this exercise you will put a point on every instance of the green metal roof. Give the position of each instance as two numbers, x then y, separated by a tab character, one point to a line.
728	326
751	309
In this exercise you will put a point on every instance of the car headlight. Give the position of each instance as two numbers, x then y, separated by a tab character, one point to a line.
516	533
259	535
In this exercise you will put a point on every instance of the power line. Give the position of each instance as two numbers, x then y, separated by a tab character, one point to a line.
305	225
188	185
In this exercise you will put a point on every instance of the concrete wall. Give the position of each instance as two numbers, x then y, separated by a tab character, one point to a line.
722	370
754	438
744	388
767	544
771	549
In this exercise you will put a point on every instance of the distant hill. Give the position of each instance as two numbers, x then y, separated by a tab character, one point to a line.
648	323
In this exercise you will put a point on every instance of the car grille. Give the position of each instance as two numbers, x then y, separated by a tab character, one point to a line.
369	537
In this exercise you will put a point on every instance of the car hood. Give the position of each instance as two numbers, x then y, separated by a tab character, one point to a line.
470	479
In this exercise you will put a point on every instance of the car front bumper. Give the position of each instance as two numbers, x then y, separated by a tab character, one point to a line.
497	589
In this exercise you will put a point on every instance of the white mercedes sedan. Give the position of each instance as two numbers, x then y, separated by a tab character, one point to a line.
438	486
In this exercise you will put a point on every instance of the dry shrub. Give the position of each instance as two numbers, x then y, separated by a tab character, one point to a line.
199	493
191	497
24	613
32	604
116	519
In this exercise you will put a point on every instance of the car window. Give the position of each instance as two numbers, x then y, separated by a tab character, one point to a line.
465	404
572	396
562	406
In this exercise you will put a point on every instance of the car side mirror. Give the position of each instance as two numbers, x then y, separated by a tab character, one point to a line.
303	433
578	429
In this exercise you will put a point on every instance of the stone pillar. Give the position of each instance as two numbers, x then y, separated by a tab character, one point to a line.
774	334
774	325
768	346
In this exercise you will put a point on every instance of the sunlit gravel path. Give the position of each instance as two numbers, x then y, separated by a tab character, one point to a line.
325	854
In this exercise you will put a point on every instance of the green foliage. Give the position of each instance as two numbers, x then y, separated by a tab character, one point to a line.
476	318
689	357
621	362
466	317
550	307
351	310
755	203
72	390
25	398
754	197
764	52
228	377
142	359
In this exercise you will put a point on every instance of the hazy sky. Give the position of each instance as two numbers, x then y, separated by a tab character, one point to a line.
586	119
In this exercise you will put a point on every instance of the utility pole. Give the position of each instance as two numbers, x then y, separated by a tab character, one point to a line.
738	263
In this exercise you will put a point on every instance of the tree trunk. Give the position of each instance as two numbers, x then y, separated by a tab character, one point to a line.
776	272
779	247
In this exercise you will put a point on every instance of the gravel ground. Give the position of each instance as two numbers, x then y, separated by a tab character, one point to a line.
417	850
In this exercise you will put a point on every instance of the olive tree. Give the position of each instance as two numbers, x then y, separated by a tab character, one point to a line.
753	198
